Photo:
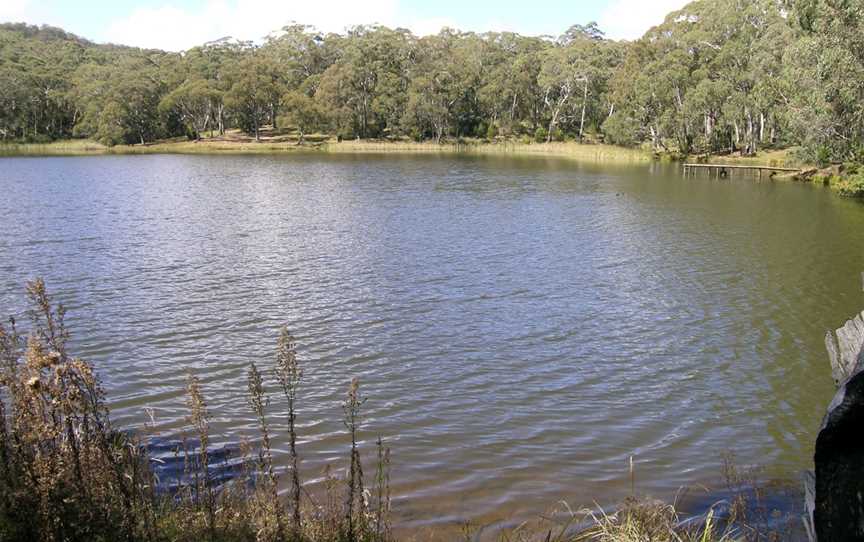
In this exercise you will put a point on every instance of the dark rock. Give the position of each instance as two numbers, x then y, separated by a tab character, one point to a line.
838	502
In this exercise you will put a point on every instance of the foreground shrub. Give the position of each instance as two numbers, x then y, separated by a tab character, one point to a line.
66	474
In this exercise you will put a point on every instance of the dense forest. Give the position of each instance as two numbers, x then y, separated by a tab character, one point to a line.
725	76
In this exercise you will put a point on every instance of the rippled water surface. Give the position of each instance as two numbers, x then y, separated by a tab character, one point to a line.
521	327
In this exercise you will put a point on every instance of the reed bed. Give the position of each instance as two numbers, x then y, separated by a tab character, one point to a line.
67	474
234	144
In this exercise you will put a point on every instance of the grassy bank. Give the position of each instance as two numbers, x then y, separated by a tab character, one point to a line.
595	152
770	157
67	474
846	180
237	143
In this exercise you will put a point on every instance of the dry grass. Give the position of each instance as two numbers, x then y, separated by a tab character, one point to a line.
769	157
643	521
66	474
235	142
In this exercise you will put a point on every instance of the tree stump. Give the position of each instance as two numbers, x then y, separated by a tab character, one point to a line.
837	505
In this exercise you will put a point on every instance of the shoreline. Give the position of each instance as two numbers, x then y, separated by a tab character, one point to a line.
322	144
581	151
598	153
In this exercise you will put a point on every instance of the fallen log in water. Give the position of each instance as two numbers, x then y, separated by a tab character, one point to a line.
836	503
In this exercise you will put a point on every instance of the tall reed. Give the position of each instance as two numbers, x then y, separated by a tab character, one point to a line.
289	374
354	508
258	399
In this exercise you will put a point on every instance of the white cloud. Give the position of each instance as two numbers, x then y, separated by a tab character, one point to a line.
175	28
15	10
25	11
630	19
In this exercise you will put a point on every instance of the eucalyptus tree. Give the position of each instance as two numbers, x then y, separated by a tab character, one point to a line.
34	83
639	100
433	91
826	67
301	52
14	103
509	93
303	112
574	75
735	75
366	84
708	77
255	93
119	101
198	103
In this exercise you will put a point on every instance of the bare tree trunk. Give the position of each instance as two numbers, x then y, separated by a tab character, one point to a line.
761	127
363	120
750	147
566	89
584	105
655	136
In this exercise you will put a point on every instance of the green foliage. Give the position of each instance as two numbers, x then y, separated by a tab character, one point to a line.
826	67
253	98
491	131
303	112
731	76
196	102
823	155
541	135
621	129
851	186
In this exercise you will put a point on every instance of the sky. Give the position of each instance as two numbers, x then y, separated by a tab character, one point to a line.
177	25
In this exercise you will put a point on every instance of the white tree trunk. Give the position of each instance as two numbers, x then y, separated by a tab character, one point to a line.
584	105
761	127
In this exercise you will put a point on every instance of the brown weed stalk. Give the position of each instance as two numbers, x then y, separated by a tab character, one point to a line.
354	505
199	417
258	400
288	373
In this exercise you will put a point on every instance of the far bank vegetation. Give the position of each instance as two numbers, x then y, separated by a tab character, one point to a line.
730	77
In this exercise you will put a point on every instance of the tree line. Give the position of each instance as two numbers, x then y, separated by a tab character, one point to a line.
727	76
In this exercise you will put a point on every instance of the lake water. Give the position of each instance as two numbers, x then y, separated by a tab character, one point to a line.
521	327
